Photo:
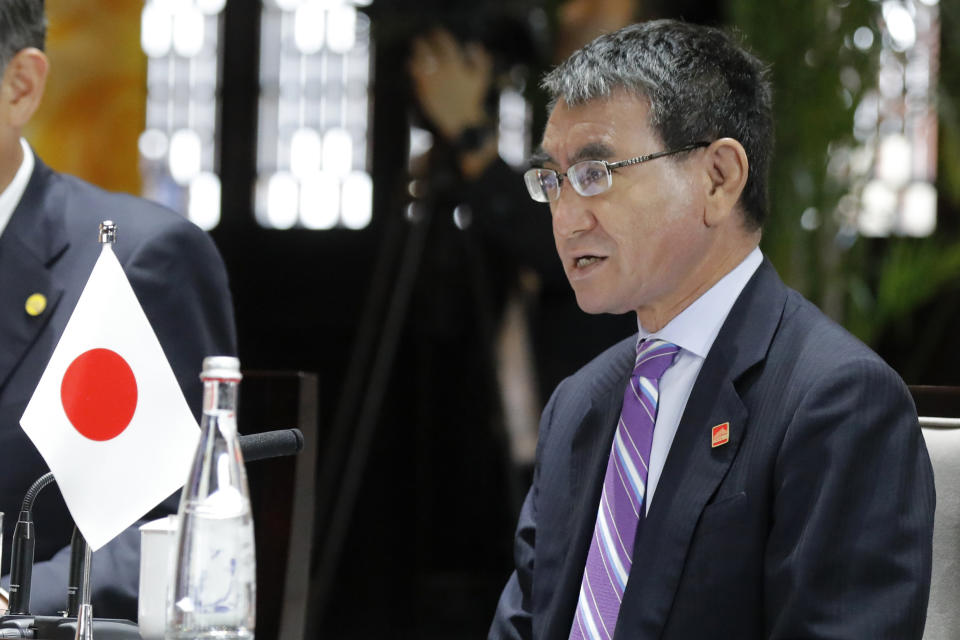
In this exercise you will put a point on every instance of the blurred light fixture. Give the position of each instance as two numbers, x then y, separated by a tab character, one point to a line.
896	124
211	7
420	141
185	156
156	30
513	141
899	25
878	209
204	207
188	31
308	27
863	38
337	152
288	5
153	144
178	147
305	152
320	201
342	28
919	215
313	124
357	197
810	219
282	200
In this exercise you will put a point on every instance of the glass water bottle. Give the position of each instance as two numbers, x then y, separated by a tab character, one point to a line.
213	588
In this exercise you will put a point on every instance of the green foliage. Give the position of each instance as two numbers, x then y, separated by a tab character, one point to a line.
809	45
875	286
949	103
911	273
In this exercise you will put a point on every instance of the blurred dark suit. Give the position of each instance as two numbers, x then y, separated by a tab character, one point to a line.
49	247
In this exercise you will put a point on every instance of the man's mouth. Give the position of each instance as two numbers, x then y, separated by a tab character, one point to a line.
586	261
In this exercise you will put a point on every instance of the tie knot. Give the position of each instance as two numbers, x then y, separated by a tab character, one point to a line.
654	357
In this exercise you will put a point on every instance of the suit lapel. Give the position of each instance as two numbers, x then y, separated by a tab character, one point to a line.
590	449
29	246
694	469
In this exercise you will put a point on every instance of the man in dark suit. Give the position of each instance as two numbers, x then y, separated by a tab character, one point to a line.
767	479
48	246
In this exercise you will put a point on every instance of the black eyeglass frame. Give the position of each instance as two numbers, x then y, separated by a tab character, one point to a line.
610	167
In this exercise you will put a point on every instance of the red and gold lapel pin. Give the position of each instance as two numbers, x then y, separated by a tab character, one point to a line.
720	435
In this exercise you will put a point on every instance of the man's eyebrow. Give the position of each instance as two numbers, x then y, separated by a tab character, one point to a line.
592	151
540	158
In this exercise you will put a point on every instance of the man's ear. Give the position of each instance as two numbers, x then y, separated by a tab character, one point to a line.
22	86
727	169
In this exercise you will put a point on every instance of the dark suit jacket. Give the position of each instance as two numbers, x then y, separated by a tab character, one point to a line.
50	246
814	521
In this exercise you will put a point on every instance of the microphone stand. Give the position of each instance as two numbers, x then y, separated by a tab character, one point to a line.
79	622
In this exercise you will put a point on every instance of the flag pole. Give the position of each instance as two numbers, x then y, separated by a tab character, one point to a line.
107	236
85	615
108	232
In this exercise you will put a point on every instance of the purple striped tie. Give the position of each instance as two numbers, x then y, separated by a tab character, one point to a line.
624	485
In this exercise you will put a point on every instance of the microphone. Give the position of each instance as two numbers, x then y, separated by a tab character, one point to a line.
21	564
271	444
21	550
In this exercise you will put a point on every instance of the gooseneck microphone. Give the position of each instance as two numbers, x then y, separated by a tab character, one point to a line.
21	550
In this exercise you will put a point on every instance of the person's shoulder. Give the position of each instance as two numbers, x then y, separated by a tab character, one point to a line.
611	356
815	342
605	370
577	392
85	202
138	220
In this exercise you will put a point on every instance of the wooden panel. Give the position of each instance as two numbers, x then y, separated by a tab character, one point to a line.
936	401
95	102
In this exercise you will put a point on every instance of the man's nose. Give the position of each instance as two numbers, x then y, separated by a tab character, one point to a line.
571	214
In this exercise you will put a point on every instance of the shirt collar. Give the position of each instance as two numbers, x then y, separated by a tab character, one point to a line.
695	328
10	197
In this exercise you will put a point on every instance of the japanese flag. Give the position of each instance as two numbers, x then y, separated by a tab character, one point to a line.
108	416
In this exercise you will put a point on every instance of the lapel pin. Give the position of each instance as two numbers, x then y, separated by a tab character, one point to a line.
36	304
720	435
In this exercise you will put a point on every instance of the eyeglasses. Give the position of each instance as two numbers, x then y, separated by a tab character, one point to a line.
589	177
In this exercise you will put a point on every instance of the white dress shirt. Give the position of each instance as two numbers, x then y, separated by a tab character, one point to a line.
10	197
693	330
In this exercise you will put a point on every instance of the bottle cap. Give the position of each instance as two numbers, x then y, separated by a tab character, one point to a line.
222	367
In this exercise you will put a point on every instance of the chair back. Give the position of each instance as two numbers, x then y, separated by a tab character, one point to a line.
939	410
282	498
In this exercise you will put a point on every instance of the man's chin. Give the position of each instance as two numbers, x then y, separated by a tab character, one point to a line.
592	305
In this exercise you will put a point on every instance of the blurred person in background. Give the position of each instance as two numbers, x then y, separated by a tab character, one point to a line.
48	246
541	335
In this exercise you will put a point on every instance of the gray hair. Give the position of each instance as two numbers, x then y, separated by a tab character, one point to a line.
700	83
22	25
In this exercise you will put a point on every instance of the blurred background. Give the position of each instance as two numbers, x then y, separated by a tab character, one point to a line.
395	253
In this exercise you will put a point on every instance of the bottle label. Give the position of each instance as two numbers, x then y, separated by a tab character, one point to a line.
218	588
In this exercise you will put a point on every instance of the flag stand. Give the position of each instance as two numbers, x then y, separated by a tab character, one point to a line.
85	617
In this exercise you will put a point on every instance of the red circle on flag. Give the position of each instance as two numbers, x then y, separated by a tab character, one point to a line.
99	394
